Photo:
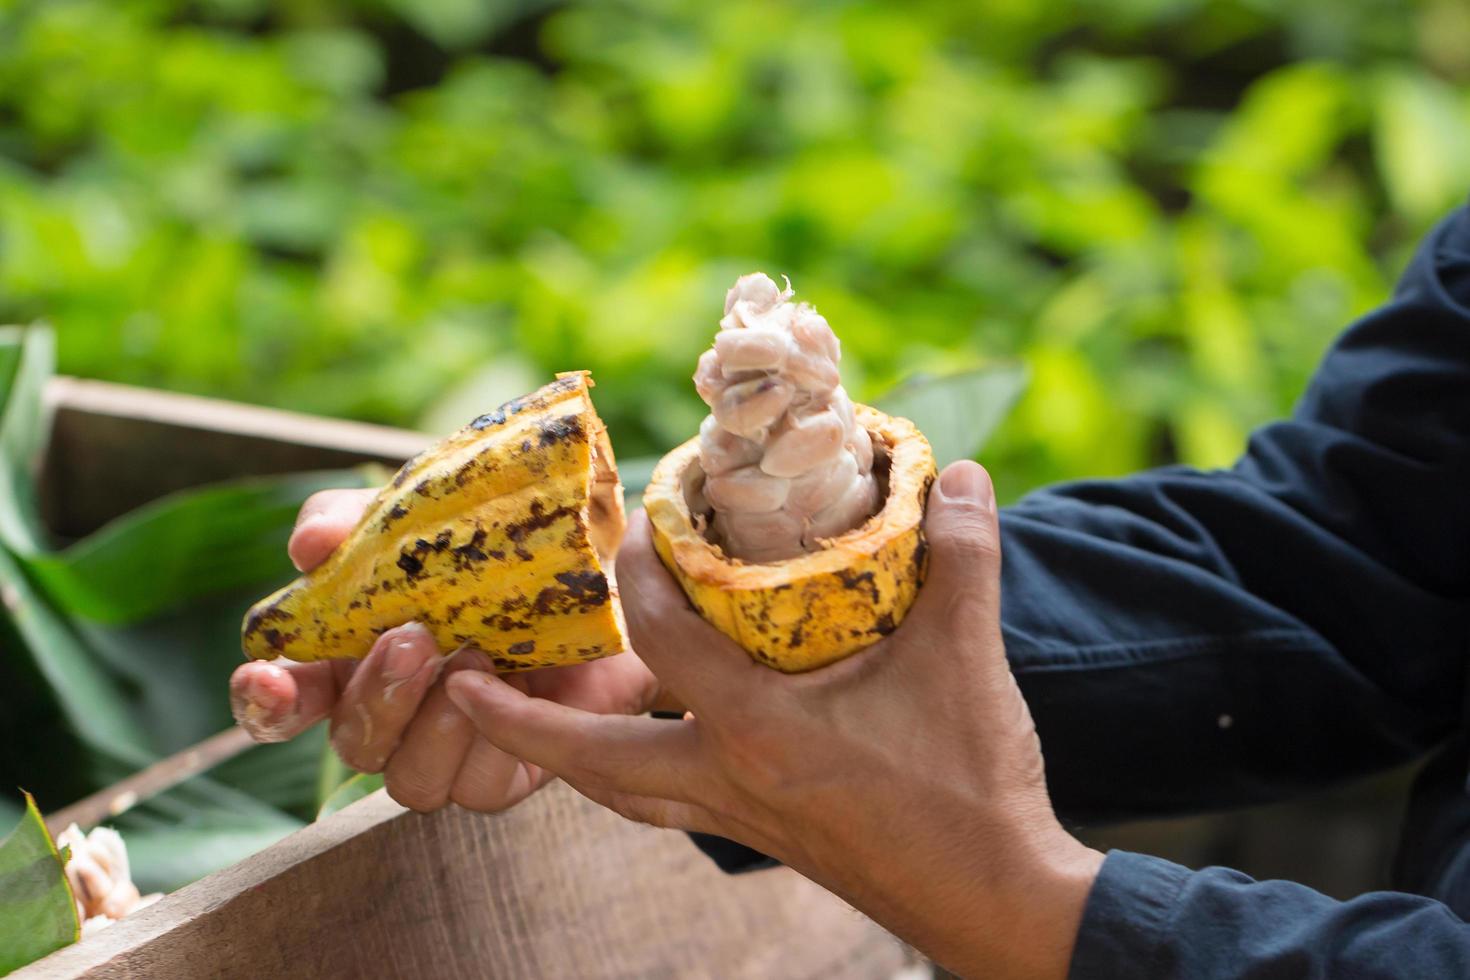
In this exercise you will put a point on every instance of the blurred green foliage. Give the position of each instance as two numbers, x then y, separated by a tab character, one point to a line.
404	210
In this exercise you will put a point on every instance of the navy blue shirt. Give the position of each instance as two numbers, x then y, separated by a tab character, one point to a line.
1318	594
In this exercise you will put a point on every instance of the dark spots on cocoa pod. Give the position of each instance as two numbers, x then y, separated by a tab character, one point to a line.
522	648
496	417
515	602
411	565
525	445
504	623
451	613
590	587
271	614
862	580
885	625
539	518
921	551
397	512
523	554
565	428
465	473
579	591
423	487
404	471
279	640
471	551
496	553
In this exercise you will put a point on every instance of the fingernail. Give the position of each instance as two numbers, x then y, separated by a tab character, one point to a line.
260	711
965	481
409	646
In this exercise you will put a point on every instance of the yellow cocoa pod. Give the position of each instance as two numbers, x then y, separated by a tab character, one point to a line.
500	537
804	612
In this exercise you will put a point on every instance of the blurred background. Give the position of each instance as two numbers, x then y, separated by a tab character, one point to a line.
405	211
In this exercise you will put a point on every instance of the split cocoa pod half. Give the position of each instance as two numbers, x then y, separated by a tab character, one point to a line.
801	613
501	537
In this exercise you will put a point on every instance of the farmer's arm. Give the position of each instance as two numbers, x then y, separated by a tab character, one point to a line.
908	779
1192	640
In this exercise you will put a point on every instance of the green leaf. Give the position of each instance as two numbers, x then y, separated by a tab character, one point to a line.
38	914
332	772
175	550
957	412
1421	143
361	785
85	690
31	354
195	829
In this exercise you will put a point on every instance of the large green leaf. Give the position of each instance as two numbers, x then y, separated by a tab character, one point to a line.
190	544
37	912
957	412
195	829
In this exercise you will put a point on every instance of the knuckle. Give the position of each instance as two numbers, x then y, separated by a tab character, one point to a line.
352	749
970	537
413	789
477	798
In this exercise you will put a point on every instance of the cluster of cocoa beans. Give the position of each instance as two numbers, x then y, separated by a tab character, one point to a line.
785	463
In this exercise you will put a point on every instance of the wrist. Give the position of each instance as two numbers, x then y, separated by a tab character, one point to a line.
1029	914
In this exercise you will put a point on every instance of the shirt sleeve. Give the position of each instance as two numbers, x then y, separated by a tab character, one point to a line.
1147	917
1193	640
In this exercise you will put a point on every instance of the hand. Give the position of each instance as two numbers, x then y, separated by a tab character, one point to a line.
907	778
390	712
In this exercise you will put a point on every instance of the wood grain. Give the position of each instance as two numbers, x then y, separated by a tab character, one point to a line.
557	887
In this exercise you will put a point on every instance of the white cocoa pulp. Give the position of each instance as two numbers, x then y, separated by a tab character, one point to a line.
786	464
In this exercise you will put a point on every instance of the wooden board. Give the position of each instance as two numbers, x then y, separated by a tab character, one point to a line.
556	887
115	447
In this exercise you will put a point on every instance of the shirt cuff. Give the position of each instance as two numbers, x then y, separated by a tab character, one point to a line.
1125	922
730	857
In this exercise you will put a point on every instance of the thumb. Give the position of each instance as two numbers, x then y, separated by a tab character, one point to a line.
964	545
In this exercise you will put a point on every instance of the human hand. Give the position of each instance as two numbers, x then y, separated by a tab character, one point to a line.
907	778
389	711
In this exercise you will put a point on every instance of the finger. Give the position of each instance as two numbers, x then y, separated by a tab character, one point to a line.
618	685
491	780
617	753
421	771
656	812
701	665
325	519
383	695
961	595
277	701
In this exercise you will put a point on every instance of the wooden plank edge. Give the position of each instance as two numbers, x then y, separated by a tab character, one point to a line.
217	415
212	891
